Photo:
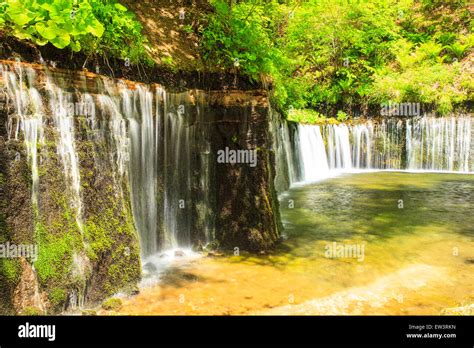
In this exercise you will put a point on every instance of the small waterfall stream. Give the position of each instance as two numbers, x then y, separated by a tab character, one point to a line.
315	162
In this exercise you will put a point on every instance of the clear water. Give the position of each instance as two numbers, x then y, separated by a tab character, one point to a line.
418	259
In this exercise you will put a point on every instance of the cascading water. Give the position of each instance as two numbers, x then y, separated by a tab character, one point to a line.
286	148
439	144
339	147
315	162
28	108
425	143
161	148
61	105
138	109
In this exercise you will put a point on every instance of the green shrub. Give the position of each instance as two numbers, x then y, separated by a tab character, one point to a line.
98	27
112	304
324	54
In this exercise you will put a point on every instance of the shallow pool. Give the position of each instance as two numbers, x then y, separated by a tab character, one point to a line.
370	243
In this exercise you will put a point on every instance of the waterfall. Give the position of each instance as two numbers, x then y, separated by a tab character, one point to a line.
27	115
177	175
424	144
286	149
313	153
362	145
61	105
439	144
138	109
339	147
160	147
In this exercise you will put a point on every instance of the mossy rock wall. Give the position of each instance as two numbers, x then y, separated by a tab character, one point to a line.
89	246
81	259
247	205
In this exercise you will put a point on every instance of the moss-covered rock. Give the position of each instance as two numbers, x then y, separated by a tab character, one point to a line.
31	311
83	256
247	207
112	304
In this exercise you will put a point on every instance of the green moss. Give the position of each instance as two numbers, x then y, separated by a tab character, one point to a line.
31	311
55	254
97	232
3	228
111	237
10	269
3	224
57	296
124	270
89	312
112	304
120	275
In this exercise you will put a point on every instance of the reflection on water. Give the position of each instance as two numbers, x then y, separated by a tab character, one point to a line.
416	232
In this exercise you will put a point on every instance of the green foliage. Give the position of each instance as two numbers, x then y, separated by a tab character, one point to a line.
421	76
334	55
102	27
237	38
57	296
306	116
55	254
59	22
112	304
122	37
342	116
458	50
10	269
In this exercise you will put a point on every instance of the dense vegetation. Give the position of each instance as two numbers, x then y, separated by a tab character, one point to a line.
97	27
334	55
325	57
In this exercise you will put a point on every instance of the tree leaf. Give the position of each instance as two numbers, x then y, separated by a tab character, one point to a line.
95	28
120	7
61	41
19	18
48	32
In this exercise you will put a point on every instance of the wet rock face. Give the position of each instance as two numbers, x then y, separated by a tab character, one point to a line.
247	207
84	255
27	296
15	220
